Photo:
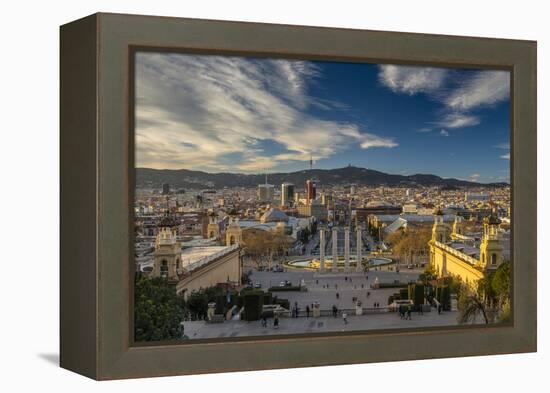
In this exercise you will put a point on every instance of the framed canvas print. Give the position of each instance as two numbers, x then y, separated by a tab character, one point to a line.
240	196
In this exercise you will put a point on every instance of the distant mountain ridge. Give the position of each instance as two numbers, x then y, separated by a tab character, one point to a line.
187	179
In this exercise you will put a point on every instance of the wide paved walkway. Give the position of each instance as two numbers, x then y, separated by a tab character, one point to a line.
201	329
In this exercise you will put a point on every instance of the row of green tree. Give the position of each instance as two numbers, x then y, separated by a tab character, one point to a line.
159	313
487	300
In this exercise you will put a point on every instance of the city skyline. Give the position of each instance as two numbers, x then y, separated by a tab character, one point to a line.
244	115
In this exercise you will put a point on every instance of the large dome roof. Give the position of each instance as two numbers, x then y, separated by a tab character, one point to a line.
274	215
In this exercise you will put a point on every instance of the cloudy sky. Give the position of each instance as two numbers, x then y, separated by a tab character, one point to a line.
237	114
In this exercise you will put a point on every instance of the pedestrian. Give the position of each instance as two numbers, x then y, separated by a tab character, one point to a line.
362	286
276	322
409	313
264	321
337	295
334	311
345	278
368	293
316	281
345	318
307	311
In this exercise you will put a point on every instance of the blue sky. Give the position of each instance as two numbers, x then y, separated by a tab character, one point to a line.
248	115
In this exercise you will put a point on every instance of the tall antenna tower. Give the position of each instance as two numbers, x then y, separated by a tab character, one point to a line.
311	162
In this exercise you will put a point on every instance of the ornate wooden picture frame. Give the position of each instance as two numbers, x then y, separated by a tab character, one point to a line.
97	195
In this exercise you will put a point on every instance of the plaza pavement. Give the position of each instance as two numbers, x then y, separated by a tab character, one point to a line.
303	325
322	288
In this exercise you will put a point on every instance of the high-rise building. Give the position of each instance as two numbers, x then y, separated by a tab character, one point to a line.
165	188
265	192
311	190
287	194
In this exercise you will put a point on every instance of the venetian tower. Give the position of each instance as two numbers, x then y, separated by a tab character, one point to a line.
490	250
213	228
167	252
439	230
458	227
233	233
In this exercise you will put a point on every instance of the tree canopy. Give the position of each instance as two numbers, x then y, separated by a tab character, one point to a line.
158	311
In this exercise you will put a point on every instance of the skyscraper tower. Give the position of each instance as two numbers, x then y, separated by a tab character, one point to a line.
287	194
311	190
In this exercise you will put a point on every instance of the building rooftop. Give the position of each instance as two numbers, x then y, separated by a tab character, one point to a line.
274	215
194	257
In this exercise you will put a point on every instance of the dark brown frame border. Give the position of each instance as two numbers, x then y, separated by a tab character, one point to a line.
97	149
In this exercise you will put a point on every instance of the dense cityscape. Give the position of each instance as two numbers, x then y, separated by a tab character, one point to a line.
266	254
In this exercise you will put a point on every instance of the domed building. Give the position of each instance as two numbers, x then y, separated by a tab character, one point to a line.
273	215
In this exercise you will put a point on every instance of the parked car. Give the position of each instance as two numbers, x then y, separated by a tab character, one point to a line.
282	284
257	285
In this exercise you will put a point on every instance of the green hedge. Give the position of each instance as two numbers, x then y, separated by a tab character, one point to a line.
443	296
391	285
284	289
416	294
253	302
268	298
282	302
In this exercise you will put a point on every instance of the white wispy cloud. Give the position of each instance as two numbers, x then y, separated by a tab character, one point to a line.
474	177
458	120
459	96
482	89
213	113
411	79
504	146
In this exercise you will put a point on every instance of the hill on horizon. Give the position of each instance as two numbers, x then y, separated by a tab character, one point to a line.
188	179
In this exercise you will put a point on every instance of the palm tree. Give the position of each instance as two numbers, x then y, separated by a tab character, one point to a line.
471	306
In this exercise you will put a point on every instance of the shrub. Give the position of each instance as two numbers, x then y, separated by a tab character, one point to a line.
416	294
284	289
282	302
253	302
391	285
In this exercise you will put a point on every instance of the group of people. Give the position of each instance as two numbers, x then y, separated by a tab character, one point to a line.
263	321
405	312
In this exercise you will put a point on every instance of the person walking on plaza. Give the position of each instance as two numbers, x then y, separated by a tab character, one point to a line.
337	295
409	313
307	311
345	318
334	311
276	322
